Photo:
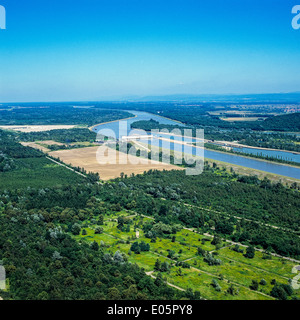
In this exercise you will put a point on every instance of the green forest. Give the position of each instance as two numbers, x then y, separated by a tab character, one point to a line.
59	135
58	114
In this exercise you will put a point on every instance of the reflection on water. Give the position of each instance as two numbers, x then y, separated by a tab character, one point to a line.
279	169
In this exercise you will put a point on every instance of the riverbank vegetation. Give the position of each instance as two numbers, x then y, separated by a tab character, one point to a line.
251	155
60	135
280	141
58	114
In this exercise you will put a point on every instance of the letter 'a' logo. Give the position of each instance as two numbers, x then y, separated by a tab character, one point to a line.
296	19
2	18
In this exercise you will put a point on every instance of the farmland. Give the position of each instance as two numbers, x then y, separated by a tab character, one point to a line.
108	165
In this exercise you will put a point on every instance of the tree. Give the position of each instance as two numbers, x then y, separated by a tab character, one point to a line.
118	257
95	246
179	272
224	227
216	240
165	267
171	254
43	296
263	282
236	248
250	252
144	246
163	210
278	292
157	265
121	222
159	280
130	293
101	220
211	260
128	281
135	248
254	285
76	229
201	252
113	294
56	255
99	230
69	281
232	290
216	285
288	289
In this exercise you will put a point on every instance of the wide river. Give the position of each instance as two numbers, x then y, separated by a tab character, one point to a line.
280	169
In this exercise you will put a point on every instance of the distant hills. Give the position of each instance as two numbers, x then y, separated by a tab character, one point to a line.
229	98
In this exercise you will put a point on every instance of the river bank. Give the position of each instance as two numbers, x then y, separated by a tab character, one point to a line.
251	164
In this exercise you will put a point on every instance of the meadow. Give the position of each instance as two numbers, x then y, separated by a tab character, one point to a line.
187	269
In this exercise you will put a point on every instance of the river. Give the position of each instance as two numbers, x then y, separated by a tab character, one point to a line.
279	169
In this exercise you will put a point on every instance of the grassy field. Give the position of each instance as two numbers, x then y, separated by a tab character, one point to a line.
196	280
235	269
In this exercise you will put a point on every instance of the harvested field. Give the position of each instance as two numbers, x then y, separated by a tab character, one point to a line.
108	163
37	128
50	143
35	146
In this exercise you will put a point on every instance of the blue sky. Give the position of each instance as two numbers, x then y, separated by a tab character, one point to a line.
103	49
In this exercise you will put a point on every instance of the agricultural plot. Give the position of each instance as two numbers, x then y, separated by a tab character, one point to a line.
109	164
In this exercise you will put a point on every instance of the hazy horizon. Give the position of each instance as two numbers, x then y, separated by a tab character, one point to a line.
276	97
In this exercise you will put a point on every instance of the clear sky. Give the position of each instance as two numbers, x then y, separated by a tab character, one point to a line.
58	50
